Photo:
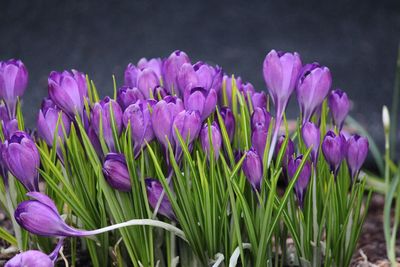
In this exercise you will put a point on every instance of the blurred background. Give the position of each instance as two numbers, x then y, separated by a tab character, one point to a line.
357	40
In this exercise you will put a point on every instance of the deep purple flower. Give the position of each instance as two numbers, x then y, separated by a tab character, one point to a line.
334	150
47	122
116	172
259	100
155	64
339	106
138	115
30	258
289	151
145	79
253	169
260	116
171	68
102	110
154	191
94	139
68	90
4	112
229	122
127	95
303	180
357	151
13	82
216	139
259	138
188	124
163	116
312	88
201	100
312	138
9	128
22	159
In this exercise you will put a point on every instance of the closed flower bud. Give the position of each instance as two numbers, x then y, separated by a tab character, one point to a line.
357	151
260	116
154	192
102	110
127	95
215	141
138	115
13	82
47	122
259	138
155	64
303	180
9	128
312	138
30	258
163	116
201	100
68	90
147	80
116	172
171	68
334	150
339	106
22	159
131	75
188	124
312	88
229	122
208	76
253	169
259	100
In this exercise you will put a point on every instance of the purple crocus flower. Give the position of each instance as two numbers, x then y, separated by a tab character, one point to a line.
312	138
260	116
22	159
145	79
68	90
229	122
188	124
163	116
154	192
201	100
9	128
47	122
259	138
127	95
159	93
312	88
215	141
116	172
253	169
357	151
259	100
171	68
339	106
30	258
155	64
102	110
4	112
13	82
138	115
303	180
334	150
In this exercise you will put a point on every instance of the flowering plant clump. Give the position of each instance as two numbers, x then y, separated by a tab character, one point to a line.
183	164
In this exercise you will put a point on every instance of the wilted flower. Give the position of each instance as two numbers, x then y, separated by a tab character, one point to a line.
216	139
68	90
188	124
201	100
334	150
171	68
22	159
116	172
102	110
357	151
253	169
313	86
229	122
303	180
311	137
127	96
154	192
13	82
339	105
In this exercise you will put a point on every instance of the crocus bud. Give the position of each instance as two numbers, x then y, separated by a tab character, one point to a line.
201	100
253	169
159	93
155	64
13	82
131	75
68	90
259	138
229	122
147	80
260	116
22	159
154	192
30	258
9	128
288	152
334	150
138	115
127	95
216	139
357	151
208	76
116	172
281	71
259	100
163	116
312	138
102	110
339	106
40	216
47	122
188	124
313	86
171	69
303	180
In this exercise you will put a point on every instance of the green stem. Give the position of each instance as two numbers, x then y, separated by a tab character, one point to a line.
315	219
16	227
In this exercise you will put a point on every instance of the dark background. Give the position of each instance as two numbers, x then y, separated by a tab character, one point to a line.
357	40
